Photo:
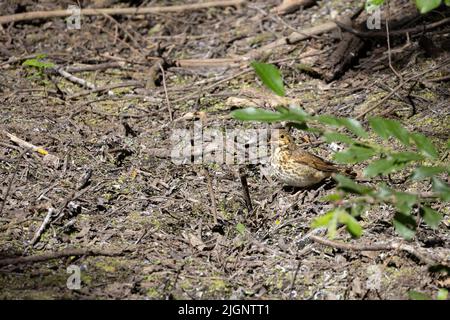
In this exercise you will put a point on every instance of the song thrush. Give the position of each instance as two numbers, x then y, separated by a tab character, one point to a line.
296	167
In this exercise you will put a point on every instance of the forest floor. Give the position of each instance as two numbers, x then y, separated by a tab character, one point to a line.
116	188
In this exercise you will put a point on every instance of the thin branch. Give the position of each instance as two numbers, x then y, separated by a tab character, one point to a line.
243	178
117	11
211	194
169	107
95	67
425	258
60	254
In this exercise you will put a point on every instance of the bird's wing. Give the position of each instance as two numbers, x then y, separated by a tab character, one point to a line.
313	161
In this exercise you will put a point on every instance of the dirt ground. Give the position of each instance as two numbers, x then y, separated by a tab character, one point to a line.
153	218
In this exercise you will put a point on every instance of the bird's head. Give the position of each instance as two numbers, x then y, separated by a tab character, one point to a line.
281	138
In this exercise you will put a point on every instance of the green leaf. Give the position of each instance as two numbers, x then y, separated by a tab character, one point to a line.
405	156
258	114
329	220
322	221
416	295
351	124
349	185
394	162
425	145
425	6
292	114
378	125
354	126
431	217
404	225
442	293
331	197
339	137
373	4
240	228
426	172
387	127
298	113
397	130
335	216
404	202
352	225
354	154
381	166
329	120
441	188
36	63
270	77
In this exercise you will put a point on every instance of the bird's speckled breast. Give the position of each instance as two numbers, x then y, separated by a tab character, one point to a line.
292	173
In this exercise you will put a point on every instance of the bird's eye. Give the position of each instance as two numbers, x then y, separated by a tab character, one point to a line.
282	136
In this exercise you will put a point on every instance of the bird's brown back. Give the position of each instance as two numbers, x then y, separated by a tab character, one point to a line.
303	157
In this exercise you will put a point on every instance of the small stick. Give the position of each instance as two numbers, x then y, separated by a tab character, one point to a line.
243	178
211	194
96	67
45	223
77	80
74	79
60	254
378	247
165	91
24	144
54	215
117	11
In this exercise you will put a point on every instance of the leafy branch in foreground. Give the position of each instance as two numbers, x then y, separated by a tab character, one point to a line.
419	159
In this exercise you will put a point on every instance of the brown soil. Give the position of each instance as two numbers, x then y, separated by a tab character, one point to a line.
160	214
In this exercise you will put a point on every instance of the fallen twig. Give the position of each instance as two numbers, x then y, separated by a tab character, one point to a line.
218	62
426	258
24	144
60	254
45	223
78	80
243	178
211	194
165	91
117	11
96	67
54	215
